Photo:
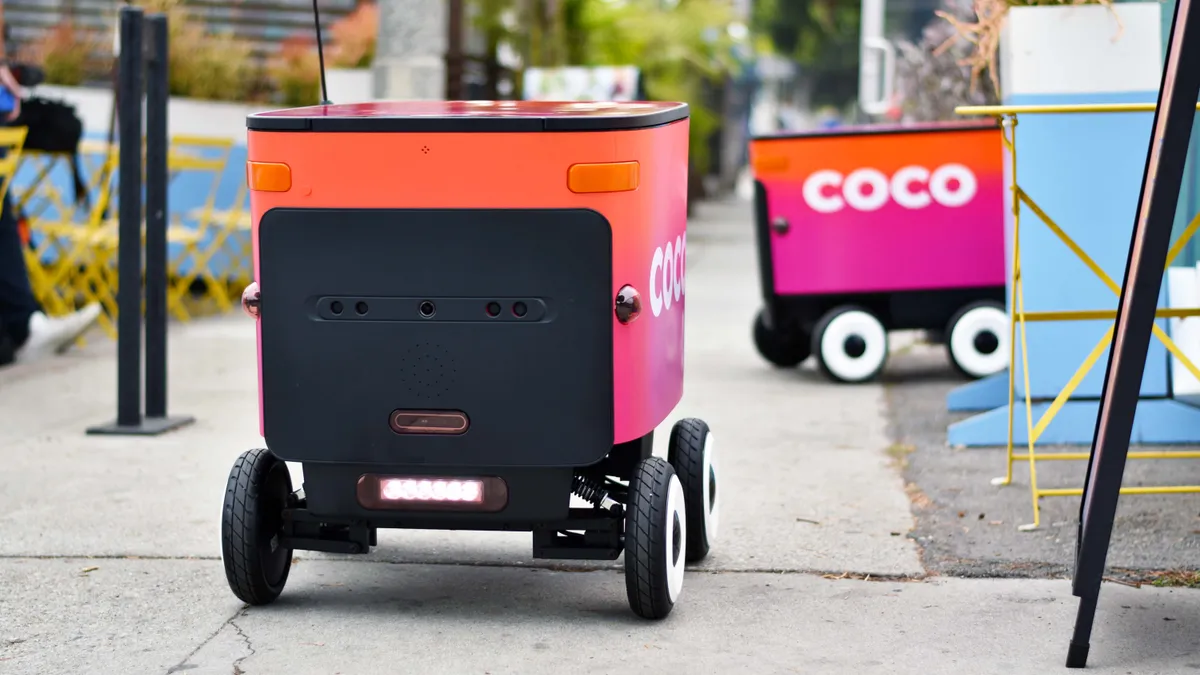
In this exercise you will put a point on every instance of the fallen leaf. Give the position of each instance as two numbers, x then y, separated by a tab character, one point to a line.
89	569
961	514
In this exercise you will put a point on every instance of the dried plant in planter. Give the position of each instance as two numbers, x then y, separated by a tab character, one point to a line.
354	37
66	53
933	76
984	32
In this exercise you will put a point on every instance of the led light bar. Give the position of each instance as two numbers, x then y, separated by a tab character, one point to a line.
425	490
432	493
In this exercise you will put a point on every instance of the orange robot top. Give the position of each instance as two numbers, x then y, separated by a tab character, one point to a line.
470	116
627	161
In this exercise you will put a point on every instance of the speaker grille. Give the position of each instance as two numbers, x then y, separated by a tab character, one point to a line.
425	369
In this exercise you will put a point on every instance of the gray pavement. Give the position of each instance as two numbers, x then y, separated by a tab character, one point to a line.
109	550
968	527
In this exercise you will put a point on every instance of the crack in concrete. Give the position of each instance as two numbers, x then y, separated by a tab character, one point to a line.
237	664
183	665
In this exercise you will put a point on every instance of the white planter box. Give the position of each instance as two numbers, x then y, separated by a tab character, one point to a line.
350	85
1070	49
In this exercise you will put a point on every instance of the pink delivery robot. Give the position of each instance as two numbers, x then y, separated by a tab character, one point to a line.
866	230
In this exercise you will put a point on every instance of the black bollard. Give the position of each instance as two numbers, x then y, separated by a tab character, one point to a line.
130	420
157	147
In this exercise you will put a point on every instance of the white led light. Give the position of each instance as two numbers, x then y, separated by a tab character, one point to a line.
392	489
409	489
427	490
472	491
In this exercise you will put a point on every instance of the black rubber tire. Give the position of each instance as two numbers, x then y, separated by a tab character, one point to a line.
251	523
819	336
949	332
685	452
646	522
779	348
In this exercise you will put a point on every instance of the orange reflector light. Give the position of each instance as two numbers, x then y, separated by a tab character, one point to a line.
608	177
269	176
769	164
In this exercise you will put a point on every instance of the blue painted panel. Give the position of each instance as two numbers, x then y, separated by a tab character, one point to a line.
1085	171
990	392
1157	421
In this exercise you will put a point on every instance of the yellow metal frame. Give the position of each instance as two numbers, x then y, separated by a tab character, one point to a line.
1007	115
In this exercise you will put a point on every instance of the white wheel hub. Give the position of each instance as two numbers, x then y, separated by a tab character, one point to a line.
854	345
979	341
712	498
676	539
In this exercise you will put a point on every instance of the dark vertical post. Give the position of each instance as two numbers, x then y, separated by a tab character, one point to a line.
1161	182
454	52
129	251
156	218
132	62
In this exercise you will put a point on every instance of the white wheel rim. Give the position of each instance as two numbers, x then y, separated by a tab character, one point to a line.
712	497
833	345
962	341
675	563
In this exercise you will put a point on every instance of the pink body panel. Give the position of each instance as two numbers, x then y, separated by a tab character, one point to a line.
525	170
879	212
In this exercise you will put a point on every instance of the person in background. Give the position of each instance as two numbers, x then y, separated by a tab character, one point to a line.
24	327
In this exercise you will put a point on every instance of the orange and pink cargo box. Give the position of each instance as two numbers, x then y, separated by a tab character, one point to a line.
867	230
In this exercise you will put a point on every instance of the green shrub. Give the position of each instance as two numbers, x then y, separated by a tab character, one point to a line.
205	64
295	73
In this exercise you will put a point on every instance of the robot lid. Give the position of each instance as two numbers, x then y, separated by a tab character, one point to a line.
471	116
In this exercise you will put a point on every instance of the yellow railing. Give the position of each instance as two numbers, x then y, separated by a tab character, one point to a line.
1018	317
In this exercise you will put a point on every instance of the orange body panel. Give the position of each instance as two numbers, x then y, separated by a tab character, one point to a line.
524	170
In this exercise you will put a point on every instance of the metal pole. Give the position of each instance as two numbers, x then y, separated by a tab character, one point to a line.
156	218
454	52
129	252
1148	248
130	421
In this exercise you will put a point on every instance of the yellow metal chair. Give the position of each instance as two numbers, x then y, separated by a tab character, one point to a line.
186	154
202	243
232	237
78	268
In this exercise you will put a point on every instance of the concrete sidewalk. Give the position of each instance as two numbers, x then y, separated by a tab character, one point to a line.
109	548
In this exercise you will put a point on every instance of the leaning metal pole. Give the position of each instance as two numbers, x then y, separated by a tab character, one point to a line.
1163	178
